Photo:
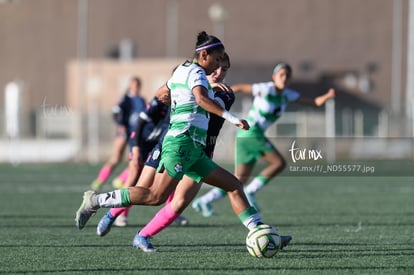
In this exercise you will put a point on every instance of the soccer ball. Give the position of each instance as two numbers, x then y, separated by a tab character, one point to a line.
263	241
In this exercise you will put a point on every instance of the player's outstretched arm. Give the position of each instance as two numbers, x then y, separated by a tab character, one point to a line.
242	88
319	100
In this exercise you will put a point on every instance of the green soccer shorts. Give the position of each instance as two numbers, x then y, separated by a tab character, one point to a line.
251	145
182	156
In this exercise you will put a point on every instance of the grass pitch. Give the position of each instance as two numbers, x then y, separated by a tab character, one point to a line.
339	224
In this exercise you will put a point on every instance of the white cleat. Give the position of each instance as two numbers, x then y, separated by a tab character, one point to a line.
87	209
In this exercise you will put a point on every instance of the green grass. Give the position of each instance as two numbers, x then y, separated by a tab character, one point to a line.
340	225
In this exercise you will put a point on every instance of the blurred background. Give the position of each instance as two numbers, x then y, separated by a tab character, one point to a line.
64	64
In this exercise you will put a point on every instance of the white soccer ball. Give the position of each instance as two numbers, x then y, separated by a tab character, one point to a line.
263	241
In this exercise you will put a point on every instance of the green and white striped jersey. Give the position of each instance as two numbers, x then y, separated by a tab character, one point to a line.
186	114
268	105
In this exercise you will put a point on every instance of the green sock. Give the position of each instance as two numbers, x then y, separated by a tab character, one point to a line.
125	198
250	218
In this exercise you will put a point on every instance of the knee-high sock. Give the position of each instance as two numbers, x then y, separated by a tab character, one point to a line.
213	195
104	174
124	175
256	184
170	197
123	211
126	211
161	220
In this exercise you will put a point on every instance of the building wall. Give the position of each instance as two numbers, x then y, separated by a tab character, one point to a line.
39	38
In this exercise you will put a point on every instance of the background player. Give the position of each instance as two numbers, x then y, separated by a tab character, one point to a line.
270	101
125	114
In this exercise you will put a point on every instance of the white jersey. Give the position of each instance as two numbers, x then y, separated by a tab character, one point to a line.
186	115
268	105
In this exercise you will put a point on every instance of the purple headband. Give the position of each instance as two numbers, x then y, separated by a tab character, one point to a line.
208	46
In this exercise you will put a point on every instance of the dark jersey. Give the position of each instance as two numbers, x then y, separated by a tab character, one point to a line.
216	122
154	157
127	111
151	125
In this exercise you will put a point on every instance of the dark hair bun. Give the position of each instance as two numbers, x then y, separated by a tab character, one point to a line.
202	37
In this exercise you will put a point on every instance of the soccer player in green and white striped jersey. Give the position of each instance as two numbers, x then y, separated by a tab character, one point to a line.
183	146
270	101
